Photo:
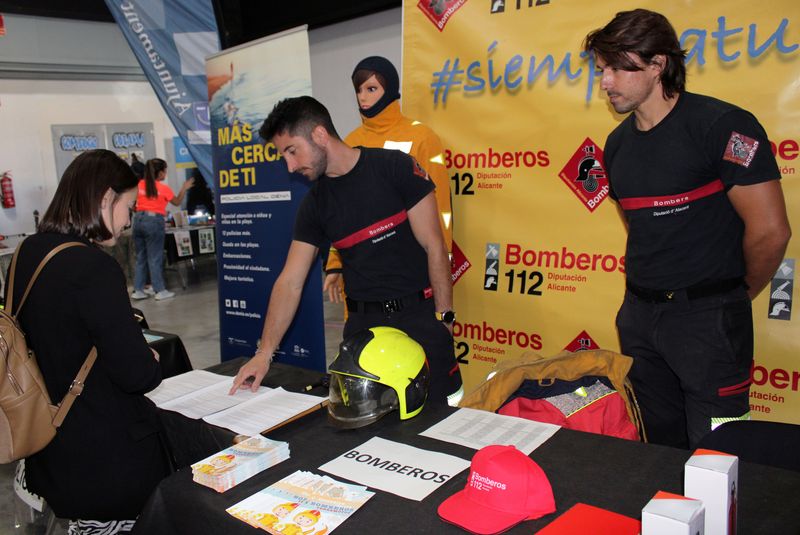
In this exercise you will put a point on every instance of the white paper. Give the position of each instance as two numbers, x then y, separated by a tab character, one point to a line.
205	237
185	383
475	429
183	243
210	399
409	472
264	411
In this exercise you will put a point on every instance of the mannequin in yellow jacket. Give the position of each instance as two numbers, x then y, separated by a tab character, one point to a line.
384	126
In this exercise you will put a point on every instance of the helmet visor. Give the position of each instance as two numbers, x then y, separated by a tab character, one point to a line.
357	401
416	393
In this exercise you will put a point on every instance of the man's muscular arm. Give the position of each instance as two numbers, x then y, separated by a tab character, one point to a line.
766	230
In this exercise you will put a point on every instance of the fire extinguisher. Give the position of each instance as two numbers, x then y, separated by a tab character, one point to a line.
7	190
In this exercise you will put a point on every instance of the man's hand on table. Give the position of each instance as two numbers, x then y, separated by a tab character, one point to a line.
251	374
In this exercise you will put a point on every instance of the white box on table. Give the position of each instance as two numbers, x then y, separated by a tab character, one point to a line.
672	514
712	476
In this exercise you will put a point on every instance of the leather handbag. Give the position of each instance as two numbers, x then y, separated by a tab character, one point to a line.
28	419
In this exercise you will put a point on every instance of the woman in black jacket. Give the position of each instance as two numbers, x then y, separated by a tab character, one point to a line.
108	454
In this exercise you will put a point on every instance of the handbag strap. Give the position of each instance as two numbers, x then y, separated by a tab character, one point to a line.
35	275
76	387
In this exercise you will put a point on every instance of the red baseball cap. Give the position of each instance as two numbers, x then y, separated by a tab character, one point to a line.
505	487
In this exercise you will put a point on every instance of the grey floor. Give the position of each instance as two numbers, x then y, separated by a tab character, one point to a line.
193	315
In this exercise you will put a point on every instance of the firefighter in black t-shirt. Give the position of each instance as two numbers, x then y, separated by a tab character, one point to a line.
378	208
707	228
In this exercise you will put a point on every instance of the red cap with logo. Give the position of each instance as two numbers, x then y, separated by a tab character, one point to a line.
504	487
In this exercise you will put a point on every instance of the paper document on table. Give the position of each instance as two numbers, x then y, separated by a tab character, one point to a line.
210	399
185	383
475	429
407	471
264	411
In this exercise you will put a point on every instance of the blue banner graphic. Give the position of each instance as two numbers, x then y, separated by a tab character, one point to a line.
257	198
171	40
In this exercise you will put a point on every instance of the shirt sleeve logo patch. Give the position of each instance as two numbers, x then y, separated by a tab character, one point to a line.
740	149
418	170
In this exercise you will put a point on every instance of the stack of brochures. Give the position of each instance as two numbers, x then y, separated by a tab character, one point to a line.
241	461
301	503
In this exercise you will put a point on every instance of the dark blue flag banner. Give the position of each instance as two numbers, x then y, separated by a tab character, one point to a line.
171	39
257	197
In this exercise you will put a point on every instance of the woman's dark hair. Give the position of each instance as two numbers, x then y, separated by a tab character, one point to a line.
76	205
362	75
151	170
646	34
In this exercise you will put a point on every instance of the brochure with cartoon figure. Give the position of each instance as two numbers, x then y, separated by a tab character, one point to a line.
301	504
241	461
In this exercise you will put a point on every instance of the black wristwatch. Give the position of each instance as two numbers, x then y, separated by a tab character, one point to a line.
447	317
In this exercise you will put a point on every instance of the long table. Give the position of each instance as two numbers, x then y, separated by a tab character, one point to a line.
614	474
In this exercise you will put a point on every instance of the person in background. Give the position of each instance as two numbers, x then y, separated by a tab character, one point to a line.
199	197
377	88
137	166
707	228
148	229
378	207
108	455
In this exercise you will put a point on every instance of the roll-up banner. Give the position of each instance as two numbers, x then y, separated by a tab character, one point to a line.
257	197
171	40
539	247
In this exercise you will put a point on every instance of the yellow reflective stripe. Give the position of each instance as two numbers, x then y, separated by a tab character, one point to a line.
438	159
716	422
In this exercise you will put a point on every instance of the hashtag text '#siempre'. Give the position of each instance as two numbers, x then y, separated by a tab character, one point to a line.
473	76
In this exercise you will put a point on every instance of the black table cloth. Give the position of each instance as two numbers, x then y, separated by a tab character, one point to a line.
172	354
614	474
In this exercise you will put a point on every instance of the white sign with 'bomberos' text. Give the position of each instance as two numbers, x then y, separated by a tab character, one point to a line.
409	472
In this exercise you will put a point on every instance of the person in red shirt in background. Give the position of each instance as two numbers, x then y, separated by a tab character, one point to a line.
148	229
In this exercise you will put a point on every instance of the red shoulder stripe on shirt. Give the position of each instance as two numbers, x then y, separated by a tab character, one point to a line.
635	203
375	229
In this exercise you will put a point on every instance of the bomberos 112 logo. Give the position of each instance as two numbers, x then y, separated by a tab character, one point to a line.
499	6
586	176
582	342
459	264
440	11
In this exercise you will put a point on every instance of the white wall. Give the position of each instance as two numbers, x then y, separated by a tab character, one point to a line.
29	107
34	45
27	110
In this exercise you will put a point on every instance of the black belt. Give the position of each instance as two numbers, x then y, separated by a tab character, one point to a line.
390	305
692	292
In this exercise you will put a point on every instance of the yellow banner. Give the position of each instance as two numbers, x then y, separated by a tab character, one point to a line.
539	247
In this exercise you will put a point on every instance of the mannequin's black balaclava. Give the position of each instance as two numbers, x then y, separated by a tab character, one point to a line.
392	90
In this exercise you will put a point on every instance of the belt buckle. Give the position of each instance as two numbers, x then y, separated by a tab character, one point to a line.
392	305
76	387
